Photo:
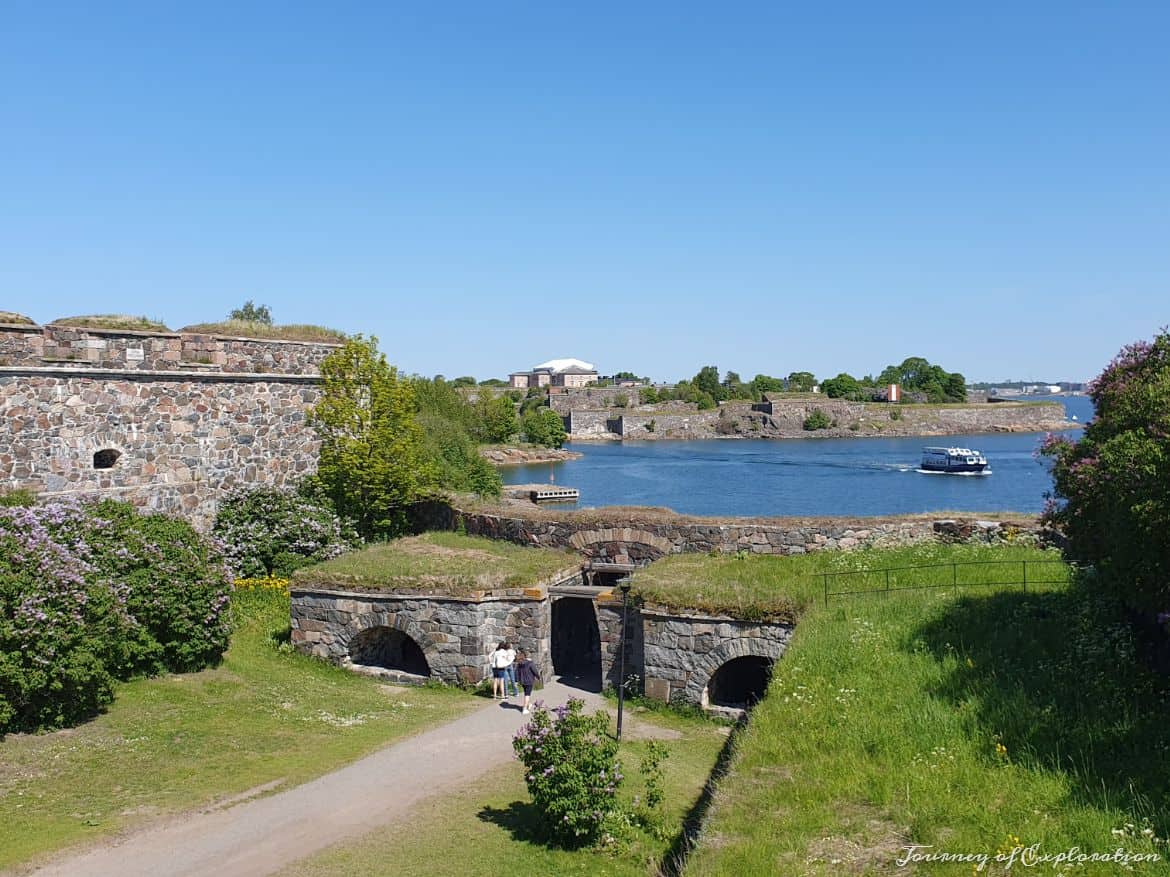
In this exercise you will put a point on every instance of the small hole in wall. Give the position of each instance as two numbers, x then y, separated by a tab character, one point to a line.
106	459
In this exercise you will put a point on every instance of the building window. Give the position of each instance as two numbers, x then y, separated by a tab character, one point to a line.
106	459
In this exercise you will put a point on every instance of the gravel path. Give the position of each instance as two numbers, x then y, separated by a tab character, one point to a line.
264	835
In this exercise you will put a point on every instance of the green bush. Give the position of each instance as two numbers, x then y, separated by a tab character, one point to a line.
267	531
1111	498
178	586
572	770
97	592
817	419
544	427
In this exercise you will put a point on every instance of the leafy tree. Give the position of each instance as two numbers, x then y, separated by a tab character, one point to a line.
455	456
649	396
767	384
801	382
372	464
533	403
463	381
629	376
1112	487
735	388
917	375
844	386
707	381
252	313
544	427
497	421
452	427
493	382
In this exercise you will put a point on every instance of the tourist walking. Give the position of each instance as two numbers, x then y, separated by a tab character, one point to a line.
498	660
510	670
527	673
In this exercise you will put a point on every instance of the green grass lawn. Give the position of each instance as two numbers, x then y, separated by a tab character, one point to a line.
439	563
969	722
174	743
491	827
784	587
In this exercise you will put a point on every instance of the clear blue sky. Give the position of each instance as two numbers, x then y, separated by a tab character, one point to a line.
651	187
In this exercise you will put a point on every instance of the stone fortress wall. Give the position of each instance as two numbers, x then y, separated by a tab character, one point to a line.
593	413
168	421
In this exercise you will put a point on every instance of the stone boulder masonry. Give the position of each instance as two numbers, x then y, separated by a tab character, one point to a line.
435	606
168	421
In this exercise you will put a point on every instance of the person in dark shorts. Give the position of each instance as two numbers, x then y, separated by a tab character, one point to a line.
499	660
527	674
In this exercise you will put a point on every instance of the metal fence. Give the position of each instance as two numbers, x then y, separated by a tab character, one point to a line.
959	574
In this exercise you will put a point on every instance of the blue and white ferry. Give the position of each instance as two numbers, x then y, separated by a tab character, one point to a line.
960	461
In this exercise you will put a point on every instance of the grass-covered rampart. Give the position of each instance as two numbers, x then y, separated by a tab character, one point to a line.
447	564
972	723
782	588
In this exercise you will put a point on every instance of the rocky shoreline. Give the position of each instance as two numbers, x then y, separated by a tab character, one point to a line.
787	421
527	456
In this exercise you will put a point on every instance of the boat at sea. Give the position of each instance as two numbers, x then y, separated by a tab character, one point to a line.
954	461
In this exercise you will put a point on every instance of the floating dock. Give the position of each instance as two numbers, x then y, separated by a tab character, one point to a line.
554	494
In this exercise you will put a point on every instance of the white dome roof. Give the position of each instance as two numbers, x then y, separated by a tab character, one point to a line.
559	365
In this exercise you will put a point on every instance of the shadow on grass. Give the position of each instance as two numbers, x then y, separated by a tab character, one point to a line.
281	636
674	860
521	819
1056	678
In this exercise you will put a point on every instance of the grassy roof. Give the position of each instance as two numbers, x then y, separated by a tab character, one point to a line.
642	517
13	317
254	329
447	564
122	322
781	588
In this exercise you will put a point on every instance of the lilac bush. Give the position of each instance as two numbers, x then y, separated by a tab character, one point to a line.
93	593
572	770
267	531
1112	487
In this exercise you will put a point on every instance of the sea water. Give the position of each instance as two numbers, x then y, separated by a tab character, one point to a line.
845	476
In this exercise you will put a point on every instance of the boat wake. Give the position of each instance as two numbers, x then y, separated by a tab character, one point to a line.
964	474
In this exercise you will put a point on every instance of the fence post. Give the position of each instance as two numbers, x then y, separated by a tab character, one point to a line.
887	583
826	590
954	576
1024	563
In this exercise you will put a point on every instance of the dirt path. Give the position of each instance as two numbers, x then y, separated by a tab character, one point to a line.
261	836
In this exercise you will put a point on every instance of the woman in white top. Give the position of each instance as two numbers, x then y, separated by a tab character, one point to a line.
499	660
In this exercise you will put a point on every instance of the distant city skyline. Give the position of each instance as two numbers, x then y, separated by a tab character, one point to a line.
652	188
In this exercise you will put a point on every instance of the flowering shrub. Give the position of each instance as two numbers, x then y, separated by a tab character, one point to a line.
1111	486
61	625
90	593
266	531
572	770
177	585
